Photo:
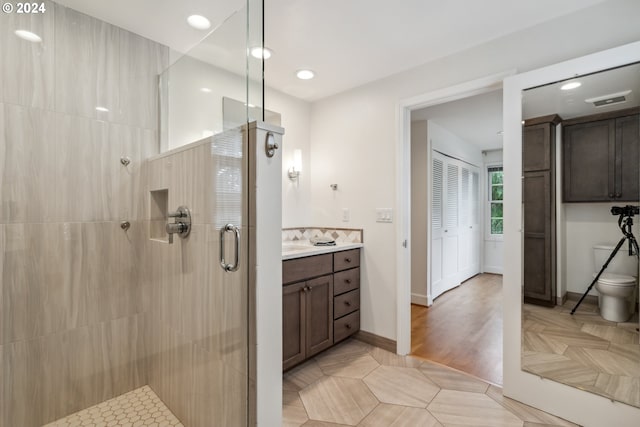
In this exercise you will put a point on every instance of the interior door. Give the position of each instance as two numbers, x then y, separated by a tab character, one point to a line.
445	204
474	223
469	227
450	240
455	218
437	222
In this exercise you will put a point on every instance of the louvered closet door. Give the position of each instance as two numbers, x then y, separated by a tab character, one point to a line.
450	256
446	185
455	228
437	217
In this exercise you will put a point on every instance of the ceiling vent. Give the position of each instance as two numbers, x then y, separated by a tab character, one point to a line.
610	99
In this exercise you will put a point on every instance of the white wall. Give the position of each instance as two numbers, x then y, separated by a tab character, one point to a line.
192	111
493	247
419	211
446	142
353	133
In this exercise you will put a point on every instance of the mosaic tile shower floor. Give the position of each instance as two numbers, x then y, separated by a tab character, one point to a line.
137	408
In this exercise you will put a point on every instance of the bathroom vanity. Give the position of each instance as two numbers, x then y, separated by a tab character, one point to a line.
320	298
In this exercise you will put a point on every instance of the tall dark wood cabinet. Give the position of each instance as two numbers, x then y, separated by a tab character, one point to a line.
539	182
600	157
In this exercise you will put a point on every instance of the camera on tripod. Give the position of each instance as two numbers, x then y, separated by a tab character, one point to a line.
626	210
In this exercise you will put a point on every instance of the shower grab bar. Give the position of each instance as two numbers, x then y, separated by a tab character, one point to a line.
236	261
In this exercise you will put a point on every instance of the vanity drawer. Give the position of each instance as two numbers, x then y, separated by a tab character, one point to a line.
295	270
346	259
346	281
346	303
346	326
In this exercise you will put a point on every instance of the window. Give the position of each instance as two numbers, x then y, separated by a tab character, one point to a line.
495	200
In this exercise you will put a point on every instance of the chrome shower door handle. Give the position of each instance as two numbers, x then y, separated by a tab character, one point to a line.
236	260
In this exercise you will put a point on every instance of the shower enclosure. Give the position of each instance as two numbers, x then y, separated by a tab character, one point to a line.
97	298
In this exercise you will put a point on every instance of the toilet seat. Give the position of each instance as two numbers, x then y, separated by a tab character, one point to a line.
615	279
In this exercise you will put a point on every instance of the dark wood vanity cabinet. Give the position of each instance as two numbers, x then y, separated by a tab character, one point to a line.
538	164
600	158
320	303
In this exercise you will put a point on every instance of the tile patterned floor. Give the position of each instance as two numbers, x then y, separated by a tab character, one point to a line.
583	350
137	408
355	384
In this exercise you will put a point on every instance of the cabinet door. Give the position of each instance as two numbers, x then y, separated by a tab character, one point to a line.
319	314
538	277
536	148
293	324
627	158
588	173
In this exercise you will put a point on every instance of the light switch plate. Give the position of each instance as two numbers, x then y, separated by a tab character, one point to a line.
384	215
346	215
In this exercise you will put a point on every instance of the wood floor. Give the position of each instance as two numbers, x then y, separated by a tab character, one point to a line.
463	328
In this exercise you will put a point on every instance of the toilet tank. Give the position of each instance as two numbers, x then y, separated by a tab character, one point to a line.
622	263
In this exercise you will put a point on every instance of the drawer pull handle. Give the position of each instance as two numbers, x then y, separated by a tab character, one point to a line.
347	259
347	281
347	303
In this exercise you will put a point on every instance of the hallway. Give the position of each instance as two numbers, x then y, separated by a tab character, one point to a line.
463	328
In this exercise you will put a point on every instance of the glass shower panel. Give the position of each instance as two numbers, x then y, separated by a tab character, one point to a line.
200	334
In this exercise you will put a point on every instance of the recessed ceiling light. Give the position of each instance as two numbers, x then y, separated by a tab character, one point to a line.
305	74
570	85
261	52
102	109
28	35
199	22
205	90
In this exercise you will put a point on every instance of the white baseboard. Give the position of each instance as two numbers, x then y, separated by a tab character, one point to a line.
493	269
419	299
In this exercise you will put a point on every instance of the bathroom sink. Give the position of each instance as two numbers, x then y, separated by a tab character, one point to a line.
291	248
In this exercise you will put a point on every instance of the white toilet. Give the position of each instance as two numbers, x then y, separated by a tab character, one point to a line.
617	283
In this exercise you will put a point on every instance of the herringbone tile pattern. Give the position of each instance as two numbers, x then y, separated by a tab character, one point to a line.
583	350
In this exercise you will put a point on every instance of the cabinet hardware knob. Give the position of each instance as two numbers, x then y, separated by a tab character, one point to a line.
347	303
348	326
618	194
611	195
347	259
347	281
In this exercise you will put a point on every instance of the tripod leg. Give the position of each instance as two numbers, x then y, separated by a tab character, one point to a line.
606	264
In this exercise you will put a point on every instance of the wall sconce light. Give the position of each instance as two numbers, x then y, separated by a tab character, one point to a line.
294	170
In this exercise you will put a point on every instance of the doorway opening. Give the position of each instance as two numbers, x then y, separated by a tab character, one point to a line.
448	142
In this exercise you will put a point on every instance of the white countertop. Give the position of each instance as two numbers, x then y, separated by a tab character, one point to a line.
303	248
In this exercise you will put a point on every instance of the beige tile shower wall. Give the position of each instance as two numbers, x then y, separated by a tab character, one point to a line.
72	297
199	313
